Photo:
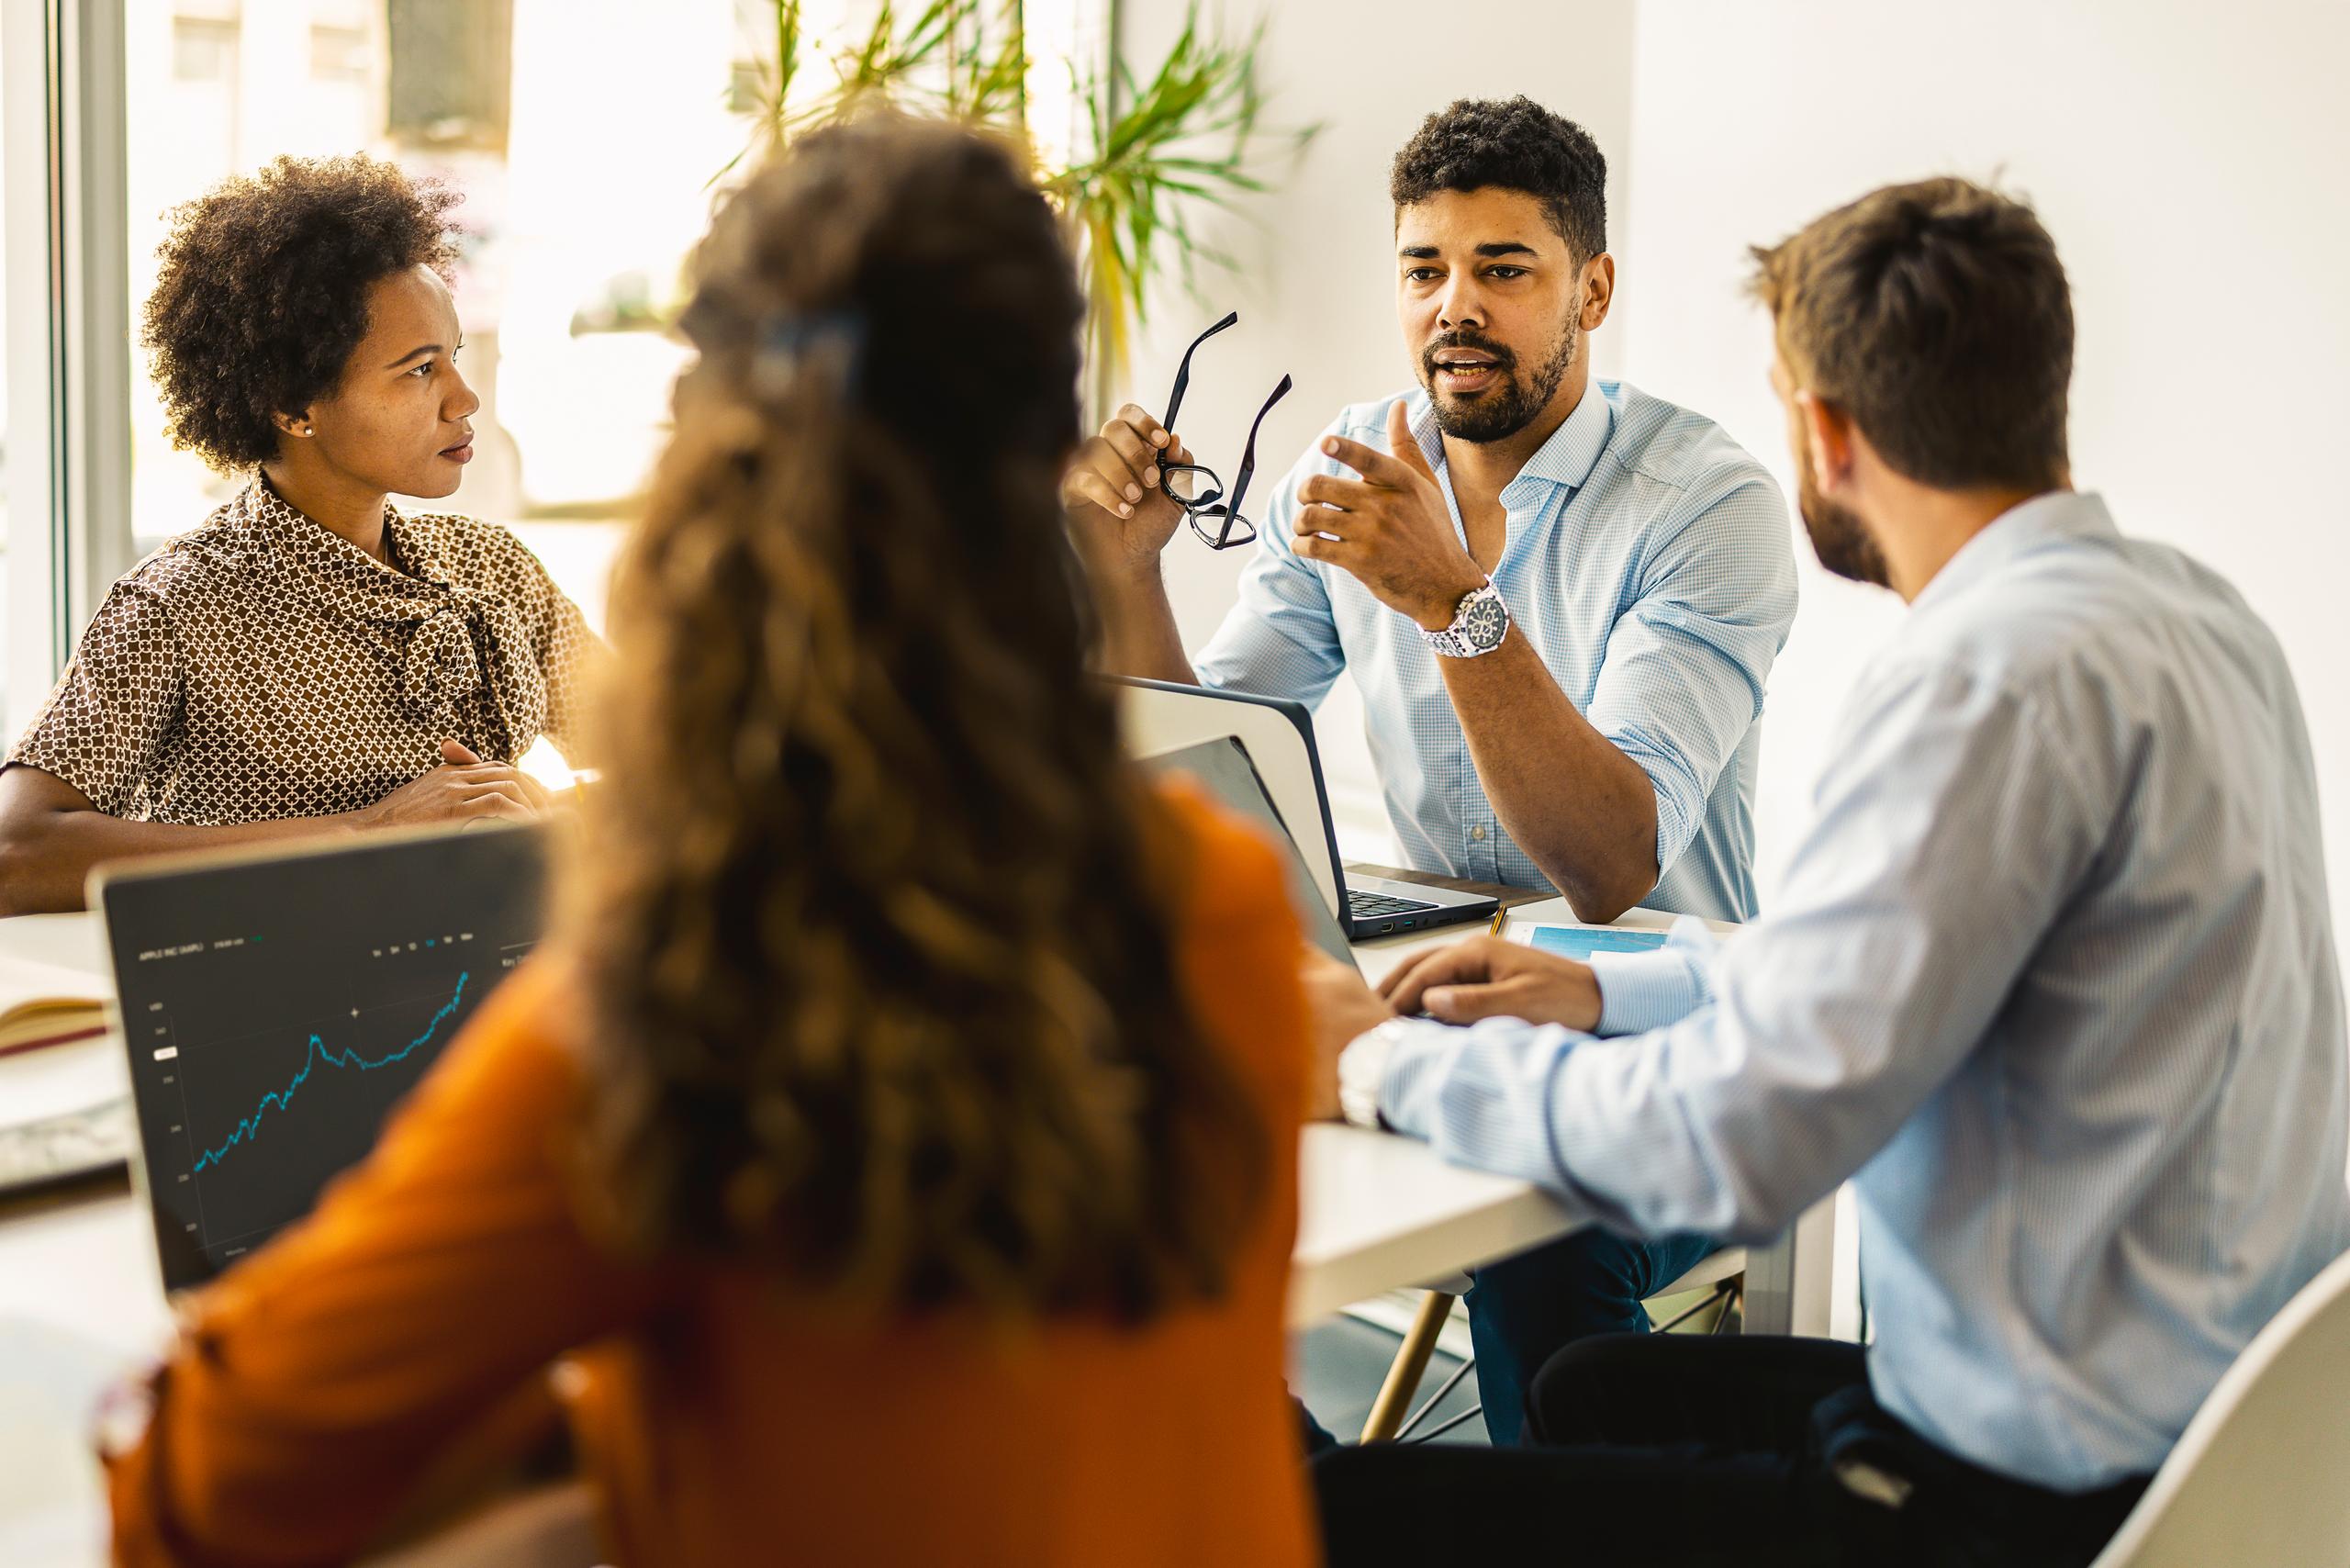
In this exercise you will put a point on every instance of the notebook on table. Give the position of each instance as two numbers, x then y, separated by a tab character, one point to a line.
64	1110
47	1004
64	1113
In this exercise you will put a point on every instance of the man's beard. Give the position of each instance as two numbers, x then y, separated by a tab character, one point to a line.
1839	538
1512	405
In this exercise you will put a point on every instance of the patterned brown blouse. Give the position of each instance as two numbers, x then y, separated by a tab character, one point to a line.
264	667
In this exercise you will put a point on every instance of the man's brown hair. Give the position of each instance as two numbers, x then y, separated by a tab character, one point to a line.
1938	317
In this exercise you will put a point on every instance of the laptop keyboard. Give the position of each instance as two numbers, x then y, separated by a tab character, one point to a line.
1362	905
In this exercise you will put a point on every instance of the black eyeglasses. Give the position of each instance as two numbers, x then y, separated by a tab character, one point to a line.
1214	516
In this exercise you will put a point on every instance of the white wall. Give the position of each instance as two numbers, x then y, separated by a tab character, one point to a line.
2189	160
1315	285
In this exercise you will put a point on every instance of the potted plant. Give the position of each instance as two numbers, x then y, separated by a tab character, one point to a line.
1146	155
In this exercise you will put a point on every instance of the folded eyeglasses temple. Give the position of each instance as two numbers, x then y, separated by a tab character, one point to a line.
1248	453
1183	371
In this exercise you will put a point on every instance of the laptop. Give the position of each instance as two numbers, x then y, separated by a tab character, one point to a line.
276	1006
1224	767
1278	736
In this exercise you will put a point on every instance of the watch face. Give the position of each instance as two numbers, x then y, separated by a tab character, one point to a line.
1484	623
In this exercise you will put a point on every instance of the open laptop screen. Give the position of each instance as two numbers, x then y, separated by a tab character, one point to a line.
1223	766
276	1007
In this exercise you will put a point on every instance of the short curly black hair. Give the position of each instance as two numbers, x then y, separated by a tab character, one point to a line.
262	294
1520	146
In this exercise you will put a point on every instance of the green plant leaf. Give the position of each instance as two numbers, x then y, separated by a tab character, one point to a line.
1155	151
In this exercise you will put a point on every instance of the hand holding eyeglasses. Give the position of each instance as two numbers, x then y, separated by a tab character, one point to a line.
1131	485
1116	493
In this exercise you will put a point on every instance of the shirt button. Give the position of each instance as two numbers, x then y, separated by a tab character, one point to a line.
1478	833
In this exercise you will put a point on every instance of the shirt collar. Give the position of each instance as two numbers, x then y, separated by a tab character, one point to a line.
1566	459
2055	518
414	544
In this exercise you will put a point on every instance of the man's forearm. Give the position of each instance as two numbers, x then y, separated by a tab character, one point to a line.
46	857
1139	632
1578	807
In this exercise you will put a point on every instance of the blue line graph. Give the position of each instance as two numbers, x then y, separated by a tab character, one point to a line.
317	1052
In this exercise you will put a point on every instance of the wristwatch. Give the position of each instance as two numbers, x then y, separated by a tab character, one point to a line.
1362	1069
1479	623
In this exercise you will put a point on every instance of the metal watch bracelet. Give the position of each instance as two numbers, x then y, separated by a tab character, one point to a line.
1480	622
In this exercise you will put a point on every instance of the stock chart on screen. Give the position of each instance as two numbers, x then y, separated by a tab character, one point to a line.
277	1010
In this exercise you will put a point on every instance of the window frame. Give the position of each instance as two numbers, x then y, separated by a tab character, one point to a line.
64	149
63	139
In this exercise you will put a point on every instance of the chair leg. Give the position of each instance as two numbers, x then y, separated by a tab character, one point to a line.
1448	1423
1737	1301
1410	1365
1723	1292
1411	1362
1433	1400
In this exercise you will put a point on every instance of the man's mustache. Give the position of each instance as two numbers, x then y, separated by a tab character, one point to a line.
1501	357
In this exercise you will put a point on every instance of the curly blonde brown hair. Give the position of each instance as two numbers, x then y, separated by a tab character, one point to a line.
878	986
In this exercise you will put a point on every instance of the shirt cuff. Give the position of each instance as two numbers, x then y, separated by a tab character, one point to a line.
1680	808
1639	992
1414	1053
1362	1067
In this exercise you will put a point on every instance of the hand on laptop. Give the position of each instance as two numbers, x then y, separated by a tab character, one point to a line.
1391	528
462	789
1486	977
1340	1009
1119	511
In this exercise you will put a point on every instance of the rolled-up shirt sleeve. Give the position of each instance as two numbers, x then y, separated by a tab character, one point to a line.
109	714
1686	663
1819	1029
1280	639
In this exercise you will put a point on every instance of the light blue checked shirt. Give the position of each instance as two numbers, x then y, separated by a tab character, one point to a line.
1647	560
2053	974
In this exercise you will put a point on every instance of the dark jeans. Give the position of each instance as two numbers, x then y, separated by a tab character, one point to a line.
1673	1449
1524	1310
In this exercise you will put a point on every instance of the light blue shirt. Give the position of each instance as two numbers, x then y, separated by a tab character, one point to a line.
2053	982
1647	561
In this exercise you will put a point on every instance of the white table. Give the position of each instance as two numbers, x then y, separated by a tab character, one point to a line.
69	941
81	1300
1377	1212
78	1276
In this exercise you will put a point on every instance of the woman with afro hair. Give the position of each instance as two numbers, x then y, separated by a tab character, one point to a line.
311	658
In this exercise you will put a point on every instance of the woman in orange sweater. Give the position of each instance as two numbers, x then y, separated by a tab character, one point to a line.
894	1151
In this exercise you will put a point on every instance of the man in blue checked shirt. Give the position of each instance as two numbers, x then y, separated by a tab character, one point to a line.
1560	597
2052	983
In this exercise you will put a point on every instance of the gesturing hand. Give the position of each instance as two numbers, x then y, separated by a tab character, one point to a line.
1389	528
1116	494
1488	978
463	787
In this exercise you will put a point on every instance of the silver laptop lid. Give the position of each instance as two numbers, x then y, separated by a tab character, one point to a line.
1160	717
1224	766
